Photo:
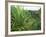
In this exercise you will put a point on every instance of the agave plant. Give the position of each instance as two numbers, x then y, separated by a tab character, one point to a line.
23	20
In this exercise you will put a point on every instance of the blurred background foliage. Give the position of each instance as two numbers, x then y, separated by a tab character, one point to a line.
24	20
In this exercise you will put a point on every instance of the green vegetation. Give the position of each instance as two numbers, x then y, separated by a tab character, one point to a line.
24	20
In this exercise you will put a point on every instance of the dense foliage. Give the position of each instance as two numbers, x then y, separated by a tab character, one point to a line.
24	20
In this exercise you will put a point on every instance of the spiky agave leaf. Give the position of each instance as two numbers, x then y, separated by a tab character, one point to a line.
22	19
